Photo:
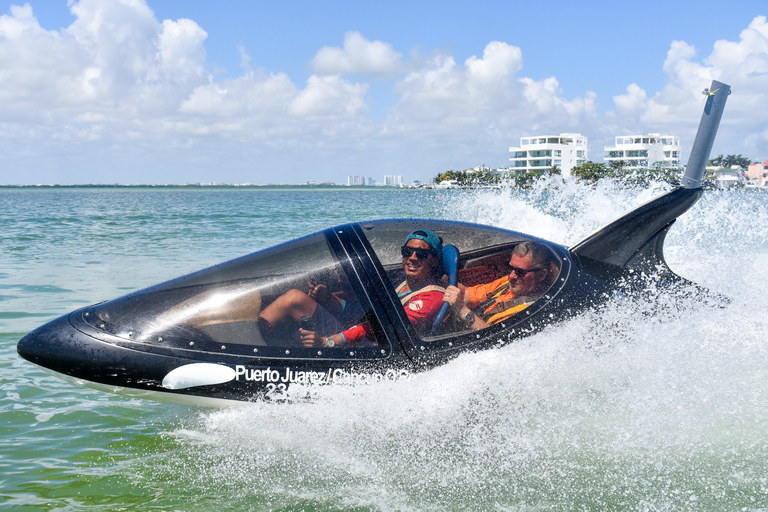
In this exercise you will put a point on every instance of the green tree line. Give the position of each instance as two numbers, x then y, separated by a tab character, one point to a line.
592	172
730	160
486	177
468	178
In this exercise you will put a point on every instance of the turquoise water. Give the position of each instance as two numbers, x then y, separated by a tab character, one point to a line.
631	407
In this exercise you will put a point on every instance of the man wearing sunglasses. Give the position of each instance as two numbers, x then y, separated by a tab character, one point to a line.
421	294
477	307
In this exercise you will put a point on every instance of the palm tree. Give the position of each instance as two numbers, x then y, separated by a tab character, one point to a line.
736	160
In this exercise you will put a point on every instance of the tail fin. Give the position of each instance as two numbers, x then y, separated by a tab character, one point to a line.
638	236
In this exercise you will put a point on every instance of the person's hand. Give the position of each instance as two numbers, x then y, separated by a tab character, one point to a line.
310	338
318	292
454	296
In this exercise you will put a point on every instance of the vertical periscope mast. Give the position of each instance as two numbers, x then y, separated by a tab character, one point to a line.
705	137
637	238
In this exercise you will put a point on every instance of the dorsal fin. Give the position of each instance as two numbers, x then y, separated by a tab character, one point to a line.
631	235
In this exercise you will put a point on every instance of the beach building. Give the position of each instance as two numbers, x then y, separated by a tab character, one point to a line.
728	177
759	173
479	170
645	151
447	184
541	153
355	181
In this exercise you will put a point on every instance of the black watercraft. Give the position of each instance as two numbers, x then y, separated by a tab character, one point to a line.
211	336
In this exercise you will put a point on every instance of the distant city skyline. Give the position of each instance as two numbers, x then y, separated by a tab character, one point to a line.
119	91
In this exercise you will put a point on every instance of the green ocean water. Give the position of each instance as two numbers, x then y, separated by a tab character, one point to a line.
633	407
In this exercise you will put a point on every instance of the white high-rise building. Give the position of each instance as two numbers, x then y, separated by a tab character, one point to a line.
645	151
355	181
542	152
393	181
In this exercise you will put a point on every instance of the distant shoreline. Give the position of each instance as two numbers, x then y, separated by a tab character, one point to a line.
325	186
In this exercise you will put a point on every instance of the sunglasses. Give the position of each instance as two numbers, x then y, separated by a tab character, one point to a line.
521	272
421	254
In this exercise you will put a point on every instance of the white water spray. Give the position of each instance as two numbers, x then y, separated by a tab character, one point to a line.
647	404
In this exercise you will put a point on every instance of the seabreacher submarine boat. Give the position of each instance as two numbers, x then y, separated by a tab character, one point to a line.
196	339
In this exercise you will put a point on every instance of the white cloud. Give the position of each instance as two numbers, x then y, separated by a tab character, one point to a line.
118	77
677	108
442	89
357	56
254	93
483	102
182	56
143	78
439	84
744	65
499	60
329	97
547	96
747	58
120	38
115	59
39	68
245	59
631	103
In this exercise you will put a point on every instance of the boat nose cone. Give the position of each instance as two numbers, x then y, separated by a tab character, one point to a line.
52	345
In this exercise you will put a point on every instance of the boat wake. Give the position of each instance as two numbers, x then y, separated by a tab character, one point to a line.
645	403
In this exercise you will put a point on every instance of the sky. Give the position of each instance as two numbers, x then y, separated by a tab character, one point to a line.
191	91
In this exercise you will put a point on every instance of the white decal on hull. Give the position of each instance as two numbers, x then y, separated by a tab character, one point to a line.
198	374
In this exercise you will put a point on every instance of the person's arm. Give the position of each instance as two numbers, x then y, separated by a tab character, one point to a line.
323	296
311	339
469	321
456	297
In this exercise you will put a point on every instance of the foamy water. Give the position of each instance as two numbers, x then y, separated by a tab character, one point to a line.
646	404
